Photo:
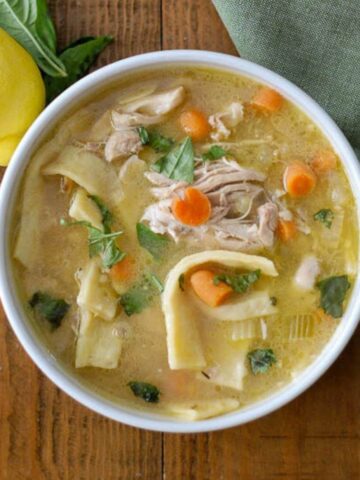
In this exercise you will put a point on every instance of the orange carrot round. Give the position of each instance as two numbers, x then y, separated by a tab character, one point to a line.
299	180
267	100
286	230
203	285
195	124
123	270
194	210
323	161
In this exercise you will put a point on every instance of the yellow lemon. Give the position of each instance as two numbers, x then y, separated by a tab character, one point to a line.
22	94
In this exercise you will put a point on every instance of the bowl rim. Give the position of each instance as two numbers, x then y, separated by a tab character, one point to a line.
8	191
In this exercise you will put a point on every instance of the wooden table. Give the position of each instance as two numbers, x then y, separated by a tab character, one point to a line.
44	434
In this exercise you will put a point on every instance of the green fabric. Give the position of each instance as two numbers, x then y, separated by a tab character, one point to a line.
313	43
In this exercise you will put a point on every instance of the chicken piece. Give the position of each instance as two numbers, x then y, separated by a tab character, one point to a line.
158	103
268	219
223	122
237	221
121	144
307	272
148	110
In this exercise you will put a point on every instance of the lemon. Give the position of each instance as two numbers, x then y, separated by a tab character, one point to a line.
22	94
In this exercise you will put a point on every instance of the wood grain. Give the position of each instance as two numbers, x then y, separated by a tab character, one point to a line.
44	434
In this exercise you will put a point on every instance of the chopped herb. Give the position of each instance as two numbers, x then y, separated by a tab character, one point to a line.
155	140
143	134
146	391
214	153
325	216
140	295
273	301
53	309
261	360
182	282
238	282
205	375
178	164
332	294
106	215
101	243
155	243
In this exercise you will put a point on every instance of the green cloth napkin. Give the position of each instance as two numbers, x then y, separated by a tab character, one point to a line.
313	43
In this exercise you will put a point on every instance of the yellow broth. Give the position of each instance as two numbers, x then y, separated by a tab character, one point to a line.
275	141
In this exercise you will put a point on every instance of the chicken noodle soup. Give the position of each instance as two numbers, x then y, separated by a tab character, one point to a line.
186	242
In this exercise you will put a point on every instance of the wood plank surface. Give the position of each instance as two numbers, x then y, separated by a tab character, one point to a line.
46	435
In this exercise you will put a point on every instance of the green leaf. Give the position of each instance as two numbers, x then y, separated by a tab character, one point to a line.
144	135
178	164
77	59
261	360
52	309
214	153
238	282
155	243
325	216
146	391
332	294
141	294
155	140
28	22
107	217
100	243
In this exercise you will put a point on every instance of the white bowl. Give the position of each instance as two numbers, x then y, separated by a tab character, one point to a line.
83	90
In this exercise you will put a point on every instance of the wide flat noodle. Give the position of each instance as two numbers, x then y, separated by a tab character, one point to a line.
192	411
96	293
98	344
82	208
184	345
28	244
89	171
242	307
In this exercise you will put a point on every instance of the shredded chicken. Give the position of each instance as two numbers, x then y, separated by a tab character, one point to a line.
307	272
121	144
121	138
148	110
242	215
223	122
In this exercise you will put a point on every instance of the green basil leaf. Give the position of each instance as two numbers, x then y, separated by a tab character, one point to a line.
240	283
332	294
178	164
107	217
100	243
214	153
325	216
155	140
52	309
261	360
28	22
143	134
140	295
146	391
77	58
155	243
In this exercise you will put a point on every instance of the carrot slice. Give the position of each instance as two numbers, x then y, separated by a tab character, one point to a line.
286	230
324	161
299	180
195	124
194	210
267	100
123	270
203	285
